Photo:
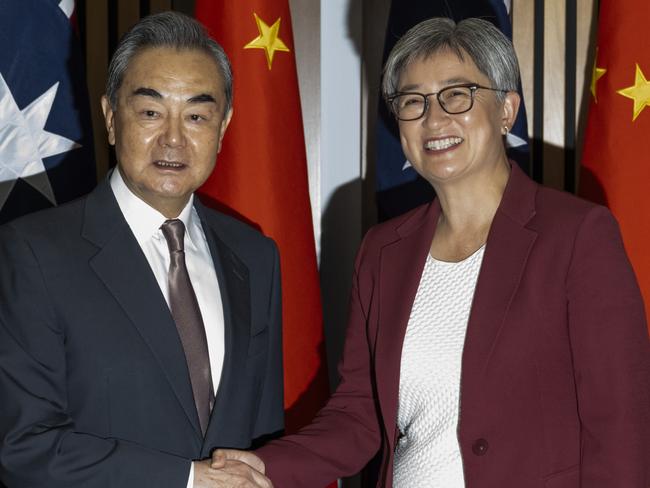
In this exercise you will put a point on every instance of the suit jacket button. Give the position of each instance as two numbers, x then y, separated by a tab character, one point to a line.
480	447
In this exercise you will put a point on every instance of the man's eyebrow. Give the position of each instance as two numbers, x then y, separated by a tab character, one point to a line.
146	92
202	98
150	92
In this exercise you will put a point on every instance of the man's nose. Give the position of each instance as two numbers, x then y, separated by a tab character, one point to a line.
172	134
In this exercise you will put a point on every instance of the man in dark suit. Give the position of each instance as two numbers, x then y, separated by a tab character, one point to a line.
138	329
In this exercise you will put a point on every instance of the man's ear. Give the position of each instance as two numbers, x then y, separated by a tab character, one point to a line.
224	125
109	119
510	109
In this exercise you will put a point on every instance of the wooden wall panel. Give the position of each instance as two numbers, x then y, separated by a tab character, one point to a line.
128	13
156	6
554	92
561	158
523	25
96	43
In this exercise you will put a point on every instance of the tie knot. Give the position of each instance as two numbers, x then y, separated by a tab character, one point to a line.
174	232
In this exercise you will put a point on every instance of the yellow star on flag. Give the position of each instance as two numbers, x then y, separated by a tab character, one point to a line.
596	74
268	39
639	92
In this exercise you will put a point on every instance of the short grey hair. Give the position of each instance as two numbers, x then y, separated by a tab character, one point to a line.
166	29
490	50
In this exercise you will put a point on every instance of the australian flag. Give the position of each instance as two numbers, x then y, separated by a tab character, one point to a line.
46	151
399	188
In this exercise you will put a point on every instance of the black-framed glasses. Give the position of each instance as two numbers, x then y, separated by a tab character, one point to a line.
456	99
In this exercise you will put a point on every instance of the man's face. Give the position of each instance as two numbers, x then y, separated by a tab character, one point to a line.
168	125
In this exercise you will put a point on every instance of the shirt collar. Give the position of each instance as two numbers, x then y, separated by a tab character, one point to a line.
144	220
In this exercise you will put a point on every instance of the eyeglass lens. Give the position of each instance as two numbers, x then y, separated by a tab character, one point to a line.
453	100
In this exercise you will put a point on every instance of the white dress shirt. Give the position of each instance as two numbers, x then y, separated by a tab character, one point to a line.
145	222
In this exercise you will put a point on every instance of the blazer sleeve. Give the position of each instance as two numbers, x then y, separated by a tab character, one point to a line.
611	354
40	446
345	434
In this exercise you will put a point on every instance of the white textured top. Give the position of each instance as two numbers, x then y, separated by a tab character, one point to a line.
428	454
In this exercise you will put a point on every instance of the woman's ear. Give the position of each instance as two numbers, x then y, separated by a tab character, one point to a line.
510	109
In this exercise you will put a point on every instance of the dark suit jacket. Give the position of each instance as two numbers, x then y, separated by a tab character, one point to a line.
94	387
556	364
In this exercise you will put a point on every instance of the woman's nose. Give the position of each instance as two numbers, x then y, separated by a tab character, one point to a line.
434	114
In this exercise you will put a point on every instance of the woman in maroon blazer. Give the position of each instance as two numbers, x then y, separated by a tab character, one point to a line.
524	290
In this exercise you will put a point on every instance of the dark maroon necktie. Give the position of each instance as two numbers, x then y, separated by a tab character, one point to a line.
187	315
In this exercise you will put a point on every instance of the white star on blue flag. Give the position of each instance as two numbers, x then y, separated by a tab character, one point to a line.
46	149
24	143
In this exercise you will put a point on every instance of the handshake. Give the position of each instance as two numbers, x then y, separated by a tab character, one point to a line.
230	468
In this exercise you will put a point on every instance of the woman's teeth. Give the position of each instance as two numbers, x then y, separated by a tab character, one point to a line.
440	144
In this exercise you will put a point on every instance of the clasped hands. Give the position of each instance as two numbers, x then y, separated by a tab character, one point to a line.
230	468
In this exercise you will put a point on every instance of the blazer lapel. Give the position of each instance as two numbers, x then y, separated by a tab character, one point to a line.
508	246
123	268
400	269
234	286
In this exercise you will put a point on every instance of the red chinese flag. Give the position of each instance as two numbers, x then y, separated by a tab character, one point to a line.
261	176
616	161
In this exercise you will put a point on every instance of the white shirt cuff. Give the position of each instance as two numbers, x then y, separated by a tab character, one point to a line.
190	480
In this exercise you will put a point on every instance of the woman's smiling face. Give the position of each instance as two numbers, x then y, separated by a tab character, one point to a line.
444	147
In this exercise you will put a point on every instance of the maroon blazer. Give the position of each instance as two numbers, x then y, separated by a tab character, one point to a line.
555	388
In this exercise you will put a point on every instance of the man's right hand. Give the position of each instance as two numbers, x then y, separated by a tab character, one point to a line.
228	474
221	456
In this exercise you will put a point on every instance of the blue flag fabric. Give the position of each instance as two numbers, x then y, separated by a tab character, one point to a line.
46	150
400	189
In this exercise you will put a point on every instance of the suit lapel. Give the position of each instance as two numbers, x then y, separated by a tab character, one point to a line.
508	246
503	264
234	286
123	268
400	268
